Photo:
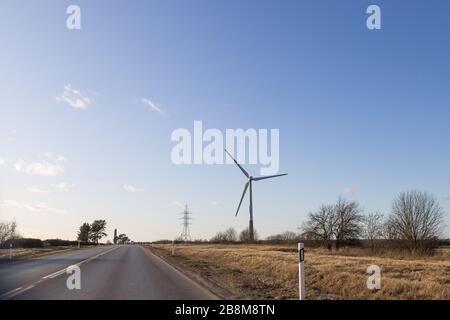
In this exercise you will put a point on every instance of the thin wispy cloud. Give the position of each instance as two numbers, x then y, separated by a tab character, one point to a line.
62	186
130	188
74	98
39	168
54	157
151	105
40	207
215	203
37	190
350	190
177	203
2	161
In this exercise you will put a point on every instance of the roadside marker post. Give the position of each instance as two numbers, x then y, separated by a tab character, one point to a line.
173	247
301	271
79	244
10	251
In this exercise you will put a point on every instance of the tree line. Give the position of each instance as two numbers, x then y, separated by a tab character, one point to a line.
10	236
415	222
122	239
92	232
230	235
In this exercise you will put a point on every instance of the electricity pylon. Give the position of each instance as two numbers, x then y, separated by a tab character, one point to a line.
186	235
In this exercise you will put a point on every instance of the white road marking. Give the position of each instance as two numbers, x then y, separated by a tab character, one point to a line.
15	292
10	294
62	271
53	275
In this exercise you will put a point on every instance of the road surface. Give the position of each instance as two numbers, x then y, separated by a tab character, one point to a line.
107	272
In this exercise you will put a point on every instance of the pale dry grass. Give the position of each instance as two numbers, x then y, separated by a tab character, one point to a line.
271	272
27	253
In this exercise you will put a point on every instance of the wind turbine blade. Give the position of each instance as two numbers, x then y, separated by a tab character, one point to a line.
268	177
242	198
242	169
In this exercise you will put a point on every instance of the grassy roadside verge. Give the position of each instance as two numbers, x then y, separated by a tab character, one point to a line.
23	254
270	272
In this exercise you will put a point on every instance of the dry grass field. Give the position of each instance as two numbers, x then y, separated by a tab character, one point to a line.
32	253
271	271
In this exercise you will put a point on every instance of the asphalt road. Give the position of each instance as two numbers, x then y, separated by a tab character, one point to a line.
108	272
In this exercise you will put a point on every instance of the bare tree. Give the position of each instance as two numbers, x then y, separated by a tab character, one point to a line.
348	221
417	218
373	228
389	230
8	231
228	235
339	222
285	236
320	224
4	231
245	236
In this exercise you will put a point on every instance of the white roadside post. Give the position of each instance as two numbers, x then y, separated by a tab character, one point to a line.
79	244
173	247
301	271
10	251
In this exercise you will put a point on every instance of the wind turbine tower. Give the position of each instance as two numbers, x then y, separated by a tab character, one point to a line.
248	185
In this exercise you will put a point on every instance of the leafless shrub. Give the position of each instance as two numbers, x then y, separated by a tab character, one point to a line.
341	222
320	224
287	236
244	236
348	225
373	228
417	219
229	235
8	231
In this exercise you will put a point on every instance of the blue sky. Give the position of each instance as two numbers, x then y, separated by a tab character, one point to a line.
358	110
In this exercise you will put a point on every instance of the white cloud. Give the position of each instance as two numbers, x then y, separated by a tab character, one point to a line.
40	207
43	168
62	186
2	161
74	98
54	157
37	190
150	104
350	190
131	188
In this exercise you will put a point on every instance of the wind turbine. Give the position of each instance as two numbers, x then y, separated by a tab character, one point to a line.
248	184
